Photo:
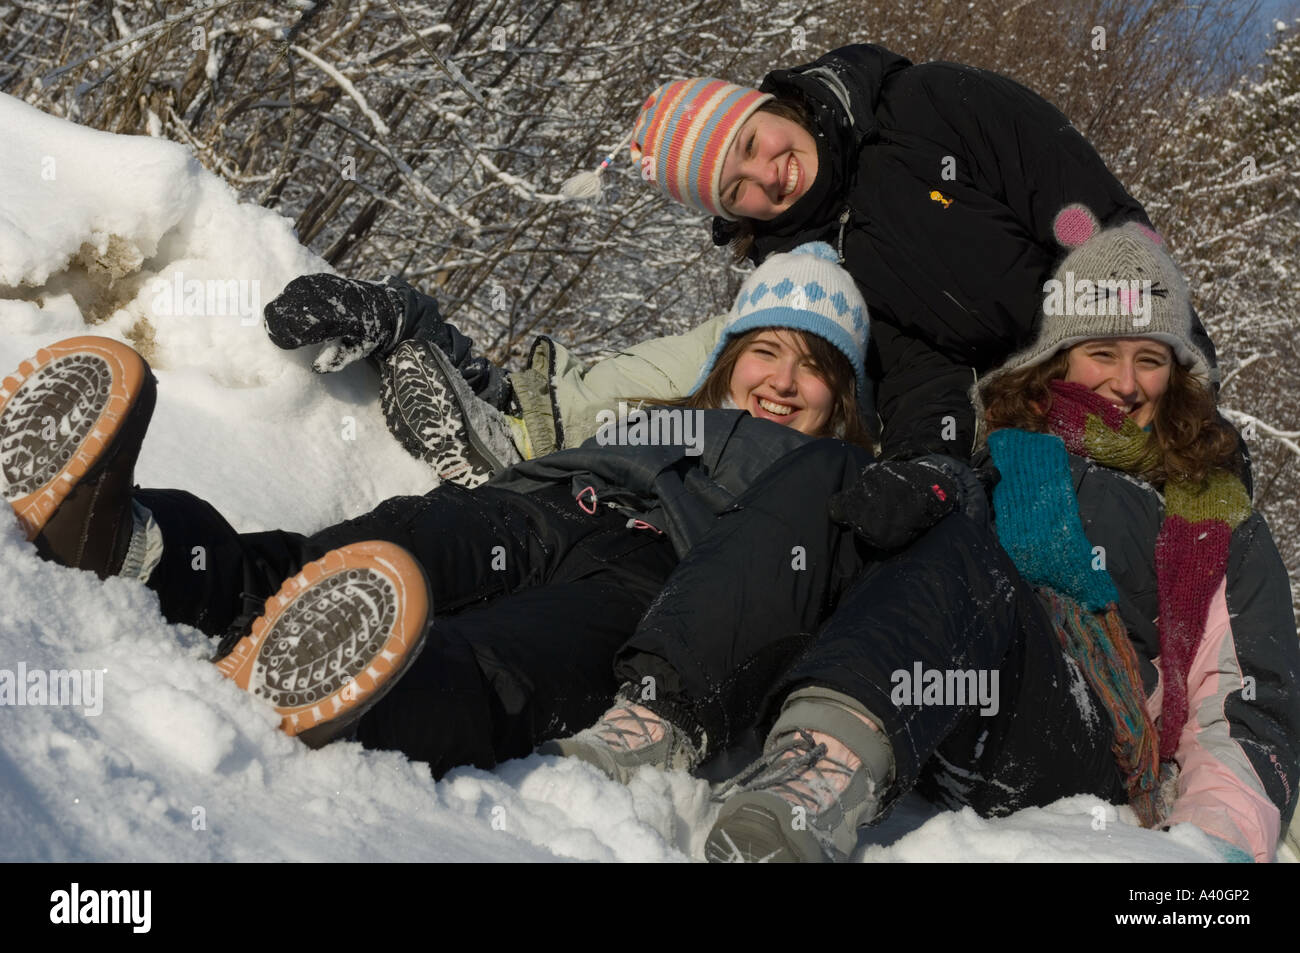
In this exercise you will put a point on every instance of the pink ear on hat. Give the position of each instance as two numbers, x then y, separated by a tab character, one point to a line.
1074	225
1150	233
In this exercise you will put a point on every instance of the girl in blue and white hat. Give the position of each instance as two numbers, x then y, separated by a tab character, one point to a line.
533	583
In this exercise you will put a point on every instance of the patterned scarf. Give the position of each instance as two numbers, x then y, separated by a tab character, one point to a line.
1038	525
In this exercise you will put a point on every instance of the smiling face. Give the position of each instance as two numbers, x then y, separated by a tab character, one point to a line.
775	378
1131	373
771	164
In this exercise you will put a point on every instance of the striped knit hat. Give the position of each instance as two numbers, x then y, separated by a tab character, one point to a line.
683	133
804	289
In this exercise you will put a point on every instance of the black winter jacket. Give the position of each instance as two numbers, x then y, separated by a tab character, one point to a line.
675	490
943	183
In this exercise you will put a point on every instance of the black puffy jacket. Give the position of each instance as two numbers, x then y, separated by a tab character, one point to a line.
943	183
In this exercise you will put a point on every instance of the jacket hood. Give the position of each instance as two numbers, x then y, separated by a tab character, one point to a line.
841	90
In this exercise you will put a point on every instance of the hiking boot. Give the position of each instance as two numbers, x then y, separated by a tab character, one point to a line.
798	803
627	737
434	414
72	419
335	638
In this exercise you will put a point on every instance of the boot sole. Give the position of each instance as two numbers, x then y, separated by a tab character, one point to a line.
444	440
335	639
58	414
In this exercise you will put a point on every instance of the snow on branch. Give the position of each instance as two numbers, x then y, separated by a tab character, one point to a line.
1246	421
150	30
521	187
1242	364
381	146
344	84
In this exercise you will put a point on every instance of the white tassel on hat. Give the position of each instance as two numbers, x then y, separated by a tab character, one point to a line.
586	185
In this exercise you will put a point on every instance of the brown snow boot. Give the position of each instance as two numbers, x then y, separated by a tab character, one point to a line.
335	638
72	419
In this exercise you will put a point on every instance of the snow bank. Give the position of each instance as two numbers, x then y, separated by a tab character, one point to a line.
124	236
165	760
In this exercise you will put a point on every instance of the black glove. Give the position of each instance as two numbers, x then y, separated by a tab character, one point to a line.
894	502
352	319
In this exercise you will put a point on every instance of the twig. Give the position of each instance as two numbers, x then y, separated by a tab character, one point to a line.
1285	437
150	30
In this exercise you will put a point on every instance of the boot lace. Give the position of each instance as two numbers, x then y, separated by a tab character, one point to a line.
640	730
799	771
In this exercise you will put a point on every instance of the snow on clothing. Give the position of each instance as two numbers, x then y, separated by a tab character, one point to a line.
770	630
422	320
516	654
559	397
677	493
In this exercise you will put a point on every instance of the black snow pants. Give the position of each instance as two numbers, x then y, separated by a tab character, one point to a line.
532	597
777	598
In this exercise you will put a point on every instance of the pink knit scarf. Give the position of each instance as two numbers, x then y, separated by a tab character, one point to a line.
1191	551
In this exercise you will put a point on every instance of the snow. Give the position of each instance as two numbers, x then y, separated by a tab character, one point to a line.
182	766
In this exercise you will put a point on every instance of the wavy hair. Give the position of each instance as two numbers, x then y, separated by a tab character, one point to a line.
1188	438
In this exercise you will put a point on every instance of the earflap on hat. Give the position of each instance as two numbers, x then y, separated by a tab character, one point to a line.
586	185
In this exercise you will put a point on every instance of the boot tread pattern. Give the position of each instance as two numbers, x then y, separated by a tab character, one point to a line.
421	410
58	413
336	636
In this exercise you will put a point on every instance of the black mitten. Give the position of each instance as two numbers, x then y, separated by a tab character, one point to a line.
894	502
351	319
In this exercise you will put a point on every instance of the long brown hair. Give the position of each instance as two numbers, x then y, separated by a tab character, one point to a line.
744	230
833	368
1187	439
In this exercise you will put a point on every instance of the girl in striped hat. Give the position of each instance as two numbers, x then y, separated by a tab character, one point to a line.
936	183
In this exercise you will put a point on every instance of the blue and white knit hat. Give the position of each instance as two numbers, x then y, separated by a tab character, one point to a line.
804	289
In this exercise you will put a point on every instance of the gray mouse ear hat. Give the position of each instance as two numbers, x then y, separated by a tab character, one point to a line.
1115	282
